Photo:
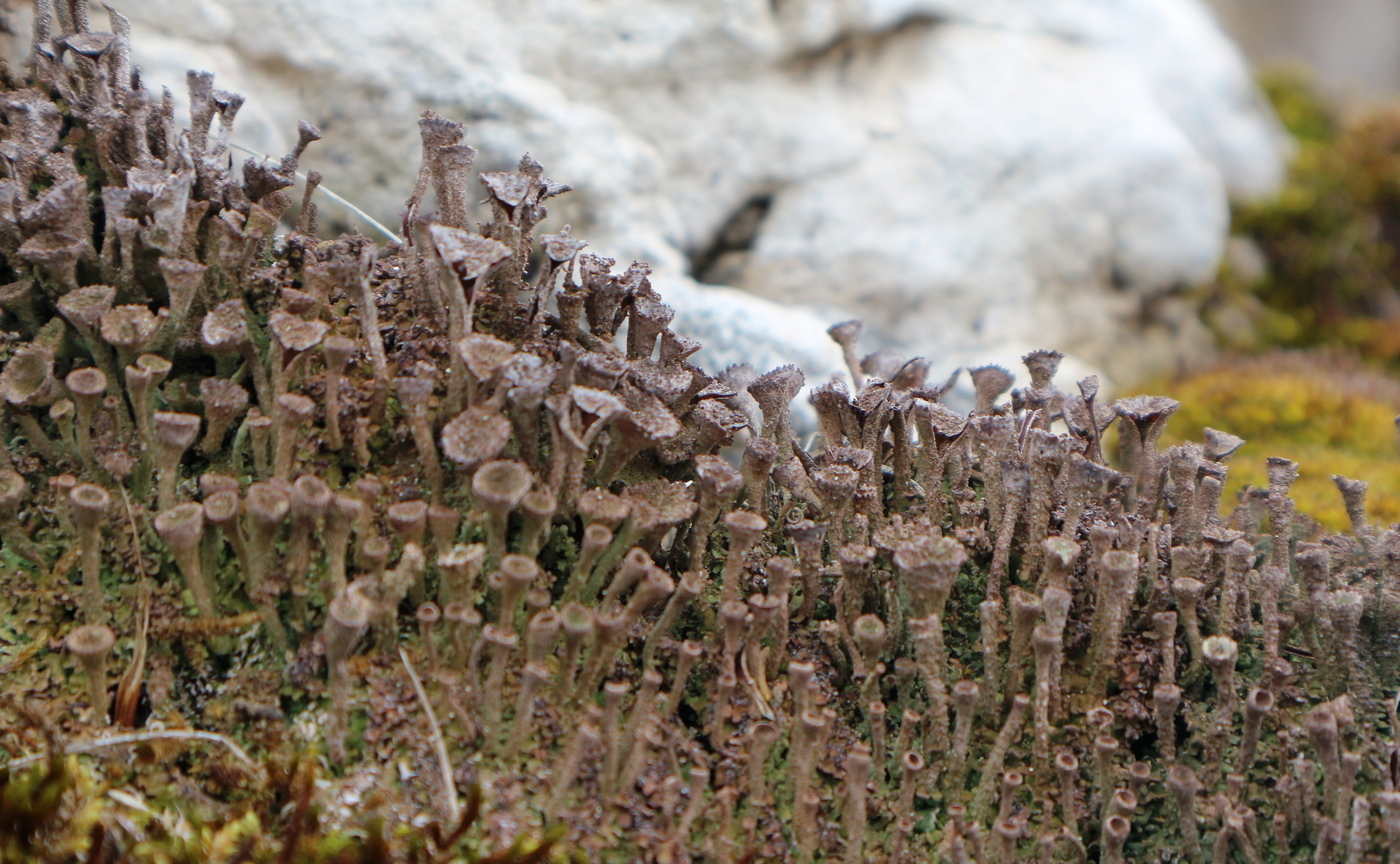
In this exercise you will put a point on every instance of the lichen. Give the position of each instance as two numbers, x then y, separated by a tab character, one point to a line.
447	552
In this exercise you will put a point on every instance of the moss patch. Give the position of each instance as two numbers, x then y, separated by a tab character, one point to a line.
1331	415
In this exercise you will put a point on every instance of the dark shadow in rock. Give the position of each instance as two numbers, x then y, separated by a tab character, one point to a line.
724	259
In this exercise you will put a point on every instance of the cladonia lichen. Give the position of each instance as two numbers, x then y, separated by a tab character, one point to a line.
317	551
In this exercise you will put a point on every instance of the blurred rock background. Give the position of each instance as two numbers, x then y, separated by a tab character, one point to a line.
1353	46
973	178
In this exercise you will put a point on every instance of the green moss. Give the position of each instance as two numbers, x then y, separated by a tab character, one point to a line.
1328	238
1330	415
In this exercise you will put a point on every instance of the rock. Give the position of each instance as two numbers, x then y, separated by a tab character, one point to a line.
974	178
737	327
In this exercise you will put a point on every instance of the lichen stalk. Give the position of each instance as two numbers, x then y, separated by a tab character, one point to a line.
1115	834
876	714
807	536
293	411
687	589
964	708
1025	613
689	653
805	828
414	393
1389	802
745	530
503	643
647	742
1188	591
533	678
1067	774
1055	604
853	815
1282	475
1321	724
88	504
1256	706
596	540
1119	571
182	528
614	692
995	760
1346	611
761	736
92	644
267	507
347	619
1183	785
584	740
1351	764
989	698
932	656
1047	644
355	280
1221	653
1016	481
810	731
337	350
173	434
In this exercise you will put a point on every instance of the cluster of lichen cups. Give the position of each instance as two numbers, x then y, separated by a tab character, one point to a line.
934	633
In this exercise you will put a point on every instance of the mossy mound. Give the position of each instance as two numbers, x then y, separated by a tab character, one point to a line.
1327	242
1332	414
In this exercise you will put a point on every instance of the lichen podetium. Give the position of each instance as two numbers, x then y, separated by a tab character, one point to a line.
314	551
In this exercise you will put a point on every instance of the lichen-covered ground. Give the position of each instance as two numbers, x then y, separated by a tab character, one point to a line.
316	551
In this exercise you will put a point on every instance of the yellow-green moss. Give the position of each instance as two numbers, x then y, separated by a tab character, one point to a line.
1330	415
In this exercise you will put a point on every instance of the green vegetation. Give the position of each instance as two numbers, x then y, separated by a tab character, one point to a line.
1327	241
1332	413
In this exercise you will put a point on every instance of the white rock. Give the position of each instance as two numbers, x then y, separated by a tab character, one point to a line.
971	177
736	327
1013	196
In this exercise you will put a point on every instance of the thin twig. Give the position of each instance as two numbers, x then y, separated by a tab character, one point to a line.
454	811
331	195
139	738
129	685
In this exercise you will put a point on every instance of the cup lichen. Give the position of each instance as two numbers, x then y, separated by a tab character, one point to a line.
656	624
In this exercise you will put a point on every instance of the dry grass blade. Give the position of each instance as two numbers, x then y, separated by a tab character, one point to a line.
374	223
142	738
454	810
